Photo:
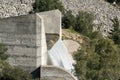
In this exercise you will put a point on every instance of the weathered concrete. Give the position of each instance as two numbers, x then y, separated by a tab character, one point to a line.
52	22
25	38
55	73
42	52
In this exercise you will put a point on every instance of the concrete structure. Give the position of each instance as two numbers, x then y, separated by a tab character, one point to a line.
55	73
25	37
29	38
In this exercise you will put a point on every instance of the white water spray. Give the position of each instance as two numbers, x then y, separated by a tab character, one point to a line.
60	56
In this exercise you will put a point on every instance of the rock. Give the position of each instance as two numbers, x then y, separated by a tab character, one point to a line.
102	10
15	7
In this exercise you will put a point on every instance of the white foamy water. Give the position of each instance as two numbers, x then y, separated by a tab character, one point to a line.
60	56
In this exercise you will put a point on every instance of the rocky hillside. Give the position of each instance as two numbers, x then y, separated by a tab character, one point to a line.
102	10
15	7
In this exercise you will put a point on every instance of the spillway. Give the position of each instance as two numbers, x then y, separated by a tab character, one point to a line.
60	56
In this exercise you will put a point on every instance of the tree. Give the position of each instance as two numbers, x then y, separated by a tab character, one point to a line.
3	50
8	72
109	59
98	61
84	23
115	34
96	35
68	20
80	66
82	57
14	73
45	5
112	1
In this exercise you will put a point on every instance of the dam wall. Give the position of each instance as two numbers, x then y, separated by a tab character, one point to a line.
52	22
29	39
23	37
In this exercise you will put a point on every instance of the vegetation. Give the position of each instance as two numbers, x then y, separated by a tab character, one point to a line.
3	50
98	60
14	73
115	34
84	23
99	57
8	72
68	20
45	5
112	1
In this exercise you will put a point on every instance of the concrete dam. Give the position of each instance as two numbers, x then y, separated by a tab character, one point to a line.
34	43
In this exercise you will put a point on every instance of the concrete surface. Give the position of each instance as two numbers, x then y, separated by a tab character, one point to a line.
52	21
55	73
26	41
27	38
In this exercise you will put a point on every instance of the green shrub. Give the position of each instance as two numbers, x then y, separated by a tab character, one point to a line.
84	23
45	5
115	34
111	1
68	19
3	50
98	61
95	35
14	73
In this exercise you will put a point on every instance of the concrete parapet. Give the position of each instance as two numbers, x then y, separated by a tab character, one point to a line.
55	73
52	22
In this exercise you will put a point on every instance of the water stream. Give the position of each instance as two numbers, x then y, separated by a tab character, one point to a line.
60	56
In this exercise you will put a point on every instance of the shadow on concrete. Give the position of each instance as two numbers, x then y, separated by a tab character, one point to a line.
36	73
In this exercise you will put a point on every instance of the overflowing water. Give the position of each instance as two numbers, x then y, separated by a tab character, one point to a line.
60	56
